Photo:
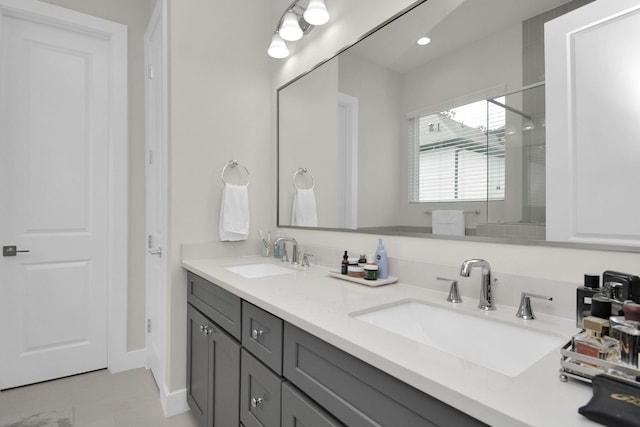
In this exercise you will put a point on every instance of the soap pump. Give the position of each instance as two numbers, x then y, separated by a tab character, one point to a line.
381	258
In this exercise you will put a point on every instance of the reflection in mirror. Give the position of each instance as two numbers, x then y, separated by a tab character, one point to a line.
398	134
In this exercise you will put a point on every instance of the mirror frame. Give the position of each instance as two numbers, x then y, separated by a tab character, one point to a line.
480	239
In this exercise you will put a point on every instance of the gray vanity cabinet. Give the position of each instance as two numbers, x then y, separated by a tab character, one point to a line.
265	372
357	393
213	356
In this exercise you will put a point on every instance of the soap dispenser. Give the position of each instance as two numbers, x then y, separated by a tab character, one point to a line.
381	259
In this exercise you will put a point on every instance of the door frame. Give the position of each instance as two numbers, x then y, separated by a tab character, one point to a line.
118	359
347	214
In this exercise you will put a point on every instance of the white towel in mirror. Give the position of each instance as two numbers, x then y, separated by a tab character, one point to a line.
304	212
234	213
447	222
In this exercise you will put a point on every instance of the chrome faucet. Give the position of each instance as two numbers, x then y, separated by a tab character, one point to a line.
486	300
294	247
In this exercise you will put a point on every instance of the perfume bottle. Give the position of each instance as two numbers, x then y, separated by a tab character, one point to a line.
594	341
584	295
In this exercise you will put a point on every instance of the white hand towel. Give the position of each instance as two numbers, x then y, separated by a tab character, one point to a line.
234	213
449	223
304	212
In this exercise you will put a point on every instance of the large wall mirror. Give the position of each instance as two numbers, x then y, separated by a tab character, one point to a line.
446	138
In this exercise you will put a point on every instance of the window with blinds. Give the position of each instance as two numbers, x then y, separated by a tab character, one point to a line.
458	154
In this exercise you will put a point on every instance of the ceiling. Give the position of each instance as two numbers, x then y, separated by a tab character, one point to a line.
450	24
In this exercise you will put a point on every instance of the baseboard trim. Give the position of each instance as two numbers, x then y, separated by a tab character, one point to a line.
173	403
129	360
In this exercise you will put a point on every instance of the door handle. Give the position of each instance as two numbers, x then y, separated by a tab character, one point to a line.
156	252
12	251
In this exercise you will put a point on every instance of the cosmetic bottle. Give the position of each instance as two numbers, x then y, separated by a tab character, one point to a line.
381	260
627	332
345	263
276	249
584	294
594	342
363	259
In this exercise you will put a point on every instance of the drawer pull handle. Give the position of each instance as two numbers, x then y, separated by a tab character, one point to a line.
256	401
206	330
255	334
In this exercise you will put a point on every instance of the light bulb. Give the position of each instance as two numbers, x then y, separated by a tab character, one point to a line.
422	41
278	48
290	29
316	13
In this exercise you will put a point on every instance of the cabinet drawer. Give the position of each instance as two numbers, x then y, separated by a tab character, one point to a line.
357	393
262	335
299	410
217	303
260	393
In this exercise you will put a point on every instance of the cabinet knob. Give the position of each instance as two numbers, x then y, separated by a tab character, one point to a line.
255	334
255	401
206	330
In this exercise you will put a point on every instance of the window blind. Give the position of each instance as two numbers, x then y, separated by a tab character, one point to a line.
457	154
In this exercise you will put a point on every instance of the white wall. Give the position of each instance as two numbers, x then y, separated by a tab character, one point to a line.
308	140
135	15
220	108
378	90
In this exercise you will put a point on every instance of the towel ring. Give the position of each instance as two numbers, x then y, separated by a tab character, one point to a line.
300	171
233	164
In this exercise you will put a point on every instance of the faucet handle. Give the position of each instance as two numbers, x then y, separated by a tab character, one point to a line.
285	255
454	294
524	310
305	260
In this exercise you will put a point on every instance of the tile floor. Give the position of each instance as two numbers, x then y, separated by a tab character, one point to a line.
97	399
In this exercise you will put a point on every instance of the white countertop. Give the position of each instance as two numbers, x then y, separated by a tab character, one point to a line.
319	304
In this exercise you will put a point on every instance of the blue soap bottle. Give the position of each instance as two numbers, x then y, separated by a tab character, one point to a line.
381	259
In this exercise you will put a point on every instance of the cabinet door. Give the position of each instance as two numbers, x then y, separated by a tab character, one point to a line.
260	394
300	411
213	372
593	148
199	369
225	353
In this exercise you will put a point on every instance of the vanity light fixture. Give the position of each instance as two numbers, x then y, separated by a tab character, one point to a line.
290	29
316	13
295	22
423	41
278	48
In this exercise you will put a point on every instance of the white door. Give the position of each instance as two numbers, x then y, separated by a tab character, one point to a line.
156	188
54	187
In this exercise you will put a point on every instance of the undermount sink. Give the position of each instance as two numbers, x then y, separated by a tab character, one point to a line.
253	271
501	347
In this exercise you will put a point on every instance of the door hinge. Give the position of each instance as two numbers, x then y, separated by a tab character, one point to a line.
149	71
148	326
150	157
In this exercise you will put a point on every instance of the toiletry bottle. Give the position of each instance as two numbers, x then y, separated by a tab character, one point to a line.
381	259
363	259
594	342
345	263
584	294
276	249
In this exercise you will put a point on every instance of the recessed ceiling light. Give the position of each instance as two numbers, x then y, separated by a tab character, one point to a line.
422	41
